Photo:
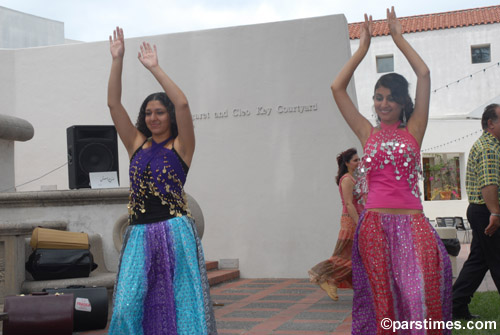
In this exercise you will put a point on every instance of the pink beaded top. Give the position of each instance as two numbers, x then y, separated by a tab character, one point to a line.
390	169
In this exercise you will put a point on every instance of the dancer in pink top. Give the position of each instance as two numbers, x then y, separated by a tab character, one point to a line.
401	270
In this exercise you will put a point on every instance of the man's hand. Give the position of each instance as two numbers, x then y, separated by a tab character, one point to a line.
493	226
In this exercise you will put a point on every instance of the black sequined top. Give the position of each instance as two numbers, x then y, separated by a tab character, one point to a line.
157	177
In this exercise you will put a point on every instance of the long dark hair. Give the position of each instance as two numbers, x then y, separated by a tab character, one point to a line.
342	159
165	101
398	86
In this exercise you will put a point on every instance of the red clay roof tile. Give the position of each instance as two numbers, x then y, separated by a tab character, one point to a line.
425	22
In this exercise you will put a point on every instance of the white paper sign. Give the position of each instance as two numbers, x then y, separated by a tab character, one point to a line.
83	304
107	179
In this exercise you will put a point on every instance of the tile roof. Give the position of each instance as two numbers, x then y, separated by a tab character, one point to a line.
425	22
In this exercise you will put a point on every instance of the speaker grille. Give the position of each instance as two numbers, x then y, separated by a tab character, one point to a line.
95	157
90	149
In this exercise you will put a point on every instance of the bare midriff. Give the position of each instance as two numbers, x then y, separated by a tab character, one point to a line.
395	210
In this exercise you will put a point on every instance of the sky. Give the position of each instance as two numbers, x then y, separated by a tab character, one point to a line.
94	20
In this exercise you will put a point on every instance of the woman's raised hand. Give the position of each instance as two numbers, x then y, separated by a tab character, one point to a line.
148	56
366	32
393	22
117	43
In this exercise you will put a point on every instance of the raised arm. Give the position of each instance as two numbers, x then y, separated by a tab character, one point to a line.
359	124
128	133
185	141
417	124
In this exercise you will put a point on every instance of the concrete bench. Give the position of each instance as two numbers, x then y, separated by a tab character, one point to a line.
99	277
12	253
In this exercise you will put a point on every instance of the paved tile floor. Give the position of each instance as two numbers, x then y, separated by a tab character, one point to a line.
276	306
280	306
287	306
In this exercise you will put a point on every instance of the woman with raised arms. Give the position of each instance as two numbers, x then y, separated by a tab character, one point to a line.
162	285
401	270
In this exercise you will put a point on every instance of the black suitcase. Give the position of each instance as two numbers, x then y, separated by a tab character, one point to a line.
90	306
47	264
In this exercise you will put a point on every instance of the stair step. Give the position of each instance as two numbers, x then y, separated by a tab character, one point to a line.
212	265
219	276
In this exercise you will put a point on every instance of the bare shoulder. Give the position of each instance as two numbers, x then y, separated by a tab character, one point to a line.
347	180
139	141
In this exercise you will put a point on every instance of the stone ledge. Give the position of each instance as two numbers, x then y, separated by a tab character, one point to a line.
64	198
26	228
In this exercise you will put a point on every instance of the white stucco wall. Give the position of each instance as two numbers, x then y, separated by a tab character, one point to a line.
447	52
265	181
21	30
7	82
7	107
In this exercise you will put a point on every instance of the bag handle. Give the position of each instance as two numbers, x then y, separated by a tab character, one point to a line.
93	265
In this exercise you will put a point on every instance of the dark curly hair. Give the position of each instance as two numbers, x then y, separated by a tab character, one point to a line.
165	101
342	159
398	86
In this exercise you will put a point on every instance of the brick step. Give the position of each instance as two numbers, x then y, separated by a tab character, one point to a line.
212	265
216	276
219	276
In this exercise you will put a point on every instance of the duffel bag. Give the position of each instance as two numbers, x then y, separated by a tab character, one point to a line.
47	264
90	306
452	246
39	314
44	238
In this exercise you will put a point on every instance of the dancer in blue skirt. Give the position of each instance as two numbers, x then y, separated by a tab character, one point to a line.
162	285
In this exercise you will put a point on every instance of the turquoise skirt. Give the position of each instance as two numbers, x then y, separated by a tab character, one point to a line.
162	285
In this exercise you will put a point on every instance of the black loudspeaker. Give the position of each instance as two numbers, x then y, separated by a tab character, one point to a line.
90	149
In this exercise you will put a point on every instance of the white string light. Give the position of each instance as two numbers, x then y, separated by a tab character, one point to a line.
496	65
479	131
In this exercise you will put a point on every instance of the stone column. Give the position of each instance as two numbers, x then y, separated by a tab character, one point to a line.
11	129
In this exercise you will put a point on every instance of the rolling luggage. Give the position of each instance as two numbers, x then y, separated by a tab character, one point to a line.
90	306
